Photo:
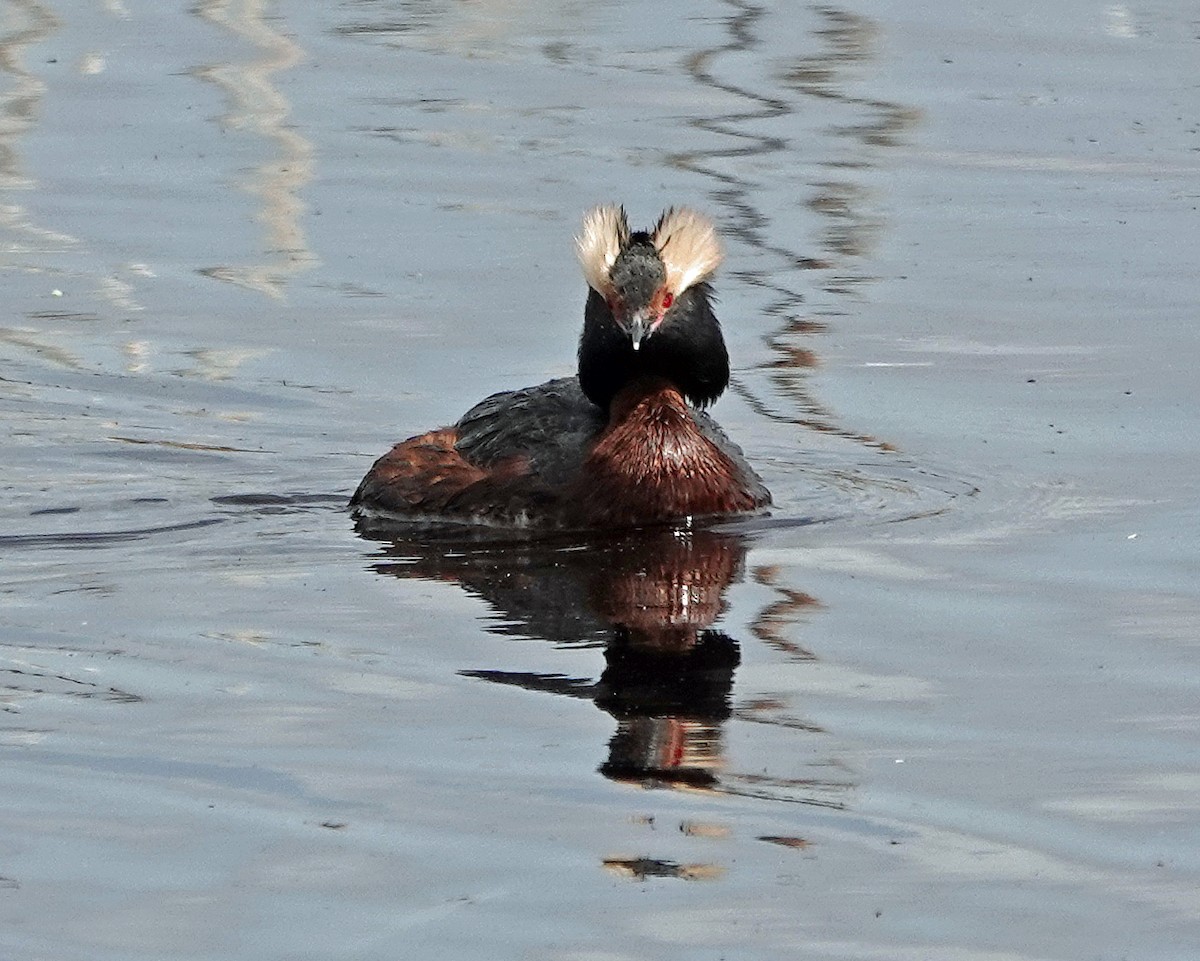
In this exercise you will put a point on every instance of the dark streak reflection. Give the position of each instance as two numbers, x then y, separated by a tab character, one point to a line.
27	682
768	626
650	599
643	869
845	203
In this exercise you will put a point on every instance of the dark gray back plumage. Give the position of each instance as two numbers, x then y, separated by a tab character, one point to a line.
552	425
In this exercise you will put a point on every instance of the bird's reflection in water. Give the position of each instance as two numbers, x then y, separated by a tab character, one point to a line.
650	599
669	705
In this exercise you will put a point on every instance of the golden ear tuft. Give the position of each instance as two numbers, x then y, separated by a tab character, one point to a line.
687	243
605	234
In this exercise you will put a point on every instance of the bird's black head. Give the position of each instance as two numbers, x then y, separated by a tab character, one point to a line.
649	308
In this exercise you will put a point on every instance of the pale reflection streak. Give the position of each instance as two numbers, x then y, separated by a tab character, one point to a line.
24	243
214	365
32	23
256	105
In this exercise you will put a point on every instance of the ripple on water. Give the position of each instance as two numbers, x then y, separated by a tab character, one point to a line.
863	488
112	522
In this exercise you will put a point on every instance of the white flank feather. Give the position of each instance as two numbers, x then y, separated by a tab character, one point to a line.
605	232
687	243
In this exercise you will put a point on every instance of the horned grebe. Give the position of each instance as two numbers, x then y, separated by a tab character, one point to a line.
624	443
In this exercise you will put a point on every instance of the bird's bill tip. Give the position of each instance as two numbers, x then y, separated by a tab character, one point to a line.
639	329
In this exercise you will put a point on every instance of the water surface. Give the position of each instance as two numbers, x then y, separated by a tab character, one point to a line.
942	704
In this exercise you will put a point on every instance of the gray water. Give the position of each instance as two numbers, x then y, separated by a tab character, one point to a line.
942	704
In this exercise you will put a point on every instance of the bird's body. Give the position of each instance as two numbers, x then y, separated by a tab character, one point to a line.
617	446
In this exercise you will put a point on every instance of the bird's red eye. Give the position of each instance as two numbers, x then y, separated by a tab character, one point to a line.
668	299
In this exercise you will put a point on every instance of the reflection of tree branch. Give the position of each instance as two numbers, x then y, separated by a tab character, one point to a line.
259	106
743	219
755	712
768	626
848	38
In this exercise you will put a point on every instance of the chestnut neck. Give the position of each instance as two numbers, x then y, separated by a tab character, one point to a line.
652	462
639	389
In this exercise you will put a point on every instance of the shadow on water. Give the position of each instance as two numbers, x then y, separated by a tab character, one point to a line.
650	600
